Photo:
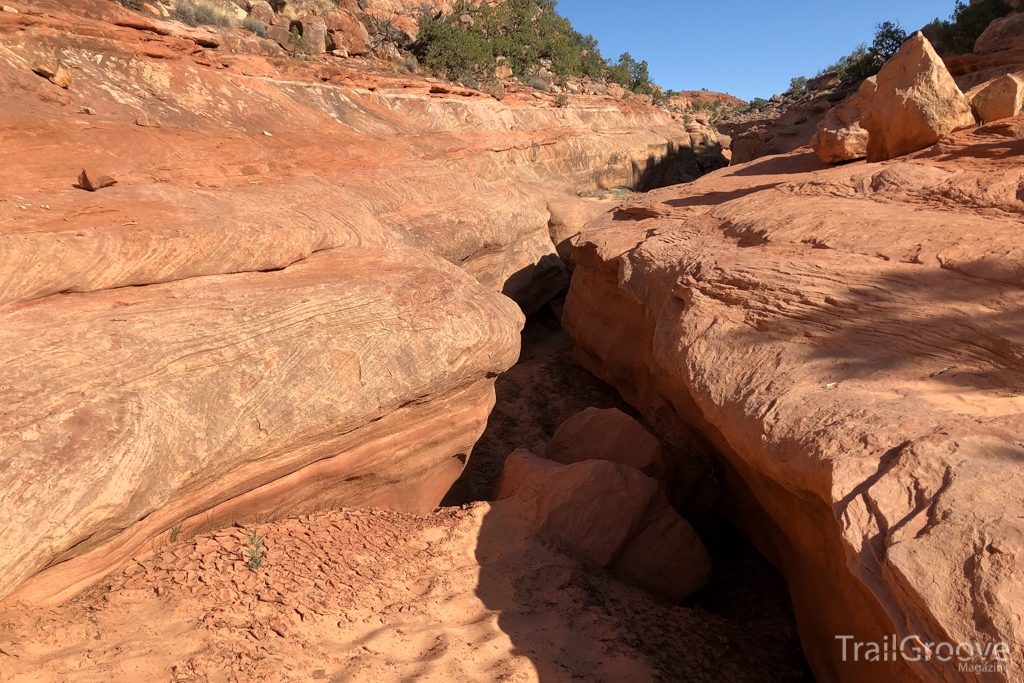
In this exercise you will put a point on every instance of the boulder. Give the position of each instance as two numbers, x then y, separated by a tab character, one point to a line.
503	71
313	30
1003	33
568	216
1000	99
666	556
610	514
611	435
261	11
347	32
916	103
53	70
840	136
281	35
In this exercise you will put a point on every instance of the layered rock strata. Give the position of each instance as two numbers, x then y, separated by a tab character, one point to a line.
291	299
850	340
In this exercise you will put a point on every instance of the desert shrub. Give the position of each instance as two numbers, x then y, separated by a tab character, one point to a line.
562	101
758	103
523	32
296	41
631	74
383	30
966	24
200	13
798	86
254	26
866	61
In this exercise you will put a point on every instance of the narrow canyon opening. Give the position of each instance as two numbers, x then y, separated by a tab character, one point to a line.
537	395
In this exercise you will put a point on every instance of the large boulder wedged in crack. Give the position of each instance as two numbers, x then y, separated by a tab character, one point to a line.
850	339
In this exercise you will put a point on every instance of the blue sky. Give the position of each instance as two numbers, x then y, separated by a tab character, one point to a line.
747	48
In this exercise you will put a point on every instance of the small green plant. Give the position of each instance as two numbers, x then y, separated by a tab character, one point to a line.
798	86
254	26
758	103
296	41
256	552
175	532
562	101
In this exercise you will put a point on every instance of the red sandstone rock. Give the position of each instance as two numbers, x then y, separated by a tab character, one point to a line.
609	513
606	435
850	340
839	136
347	32
915	104
1000	99
290	298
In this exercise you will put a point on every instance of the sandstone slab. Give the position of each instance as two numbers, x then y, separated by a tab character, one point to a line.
858	379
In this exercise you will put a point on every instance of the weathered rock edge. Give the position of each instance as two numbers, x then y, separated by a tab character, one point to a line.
862	395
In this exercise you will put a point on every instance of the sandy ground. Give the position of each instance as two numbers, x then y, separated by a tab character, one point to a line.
460	595
377	596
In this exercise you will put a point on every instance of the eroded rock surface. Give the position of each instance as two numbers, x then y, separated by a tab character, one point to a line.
850	339
292	297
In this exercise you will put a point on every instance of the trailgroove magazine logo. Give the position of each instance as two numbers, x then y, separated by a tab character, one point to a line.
976	657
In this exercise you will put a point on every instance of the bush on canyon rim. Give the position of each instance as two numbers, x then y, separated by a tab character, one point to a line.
469	40
966	24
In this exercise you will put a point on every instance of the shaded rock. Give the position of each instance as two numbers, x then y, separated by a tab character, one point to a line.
915	105
88	184
347	32
609	513
666	556
610	435
281	35
1000	99
1003	33
839	136
53	70
313	30
594	507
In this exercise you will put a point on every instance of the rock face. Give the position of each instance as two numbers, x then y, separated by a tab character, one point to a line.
1002	34
347	32
916	103
290	300
850	340
839	136
608	434
609	513
1000	99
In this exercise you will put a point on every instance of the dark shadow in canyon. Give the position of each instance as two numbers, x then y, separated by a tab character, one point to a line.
740	627
679	165
716	198
786	164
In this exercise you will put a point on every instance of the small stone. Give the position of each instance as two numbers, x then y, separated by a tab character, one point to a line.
54	71
9	10
147	121
146	7
87	110
87	183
